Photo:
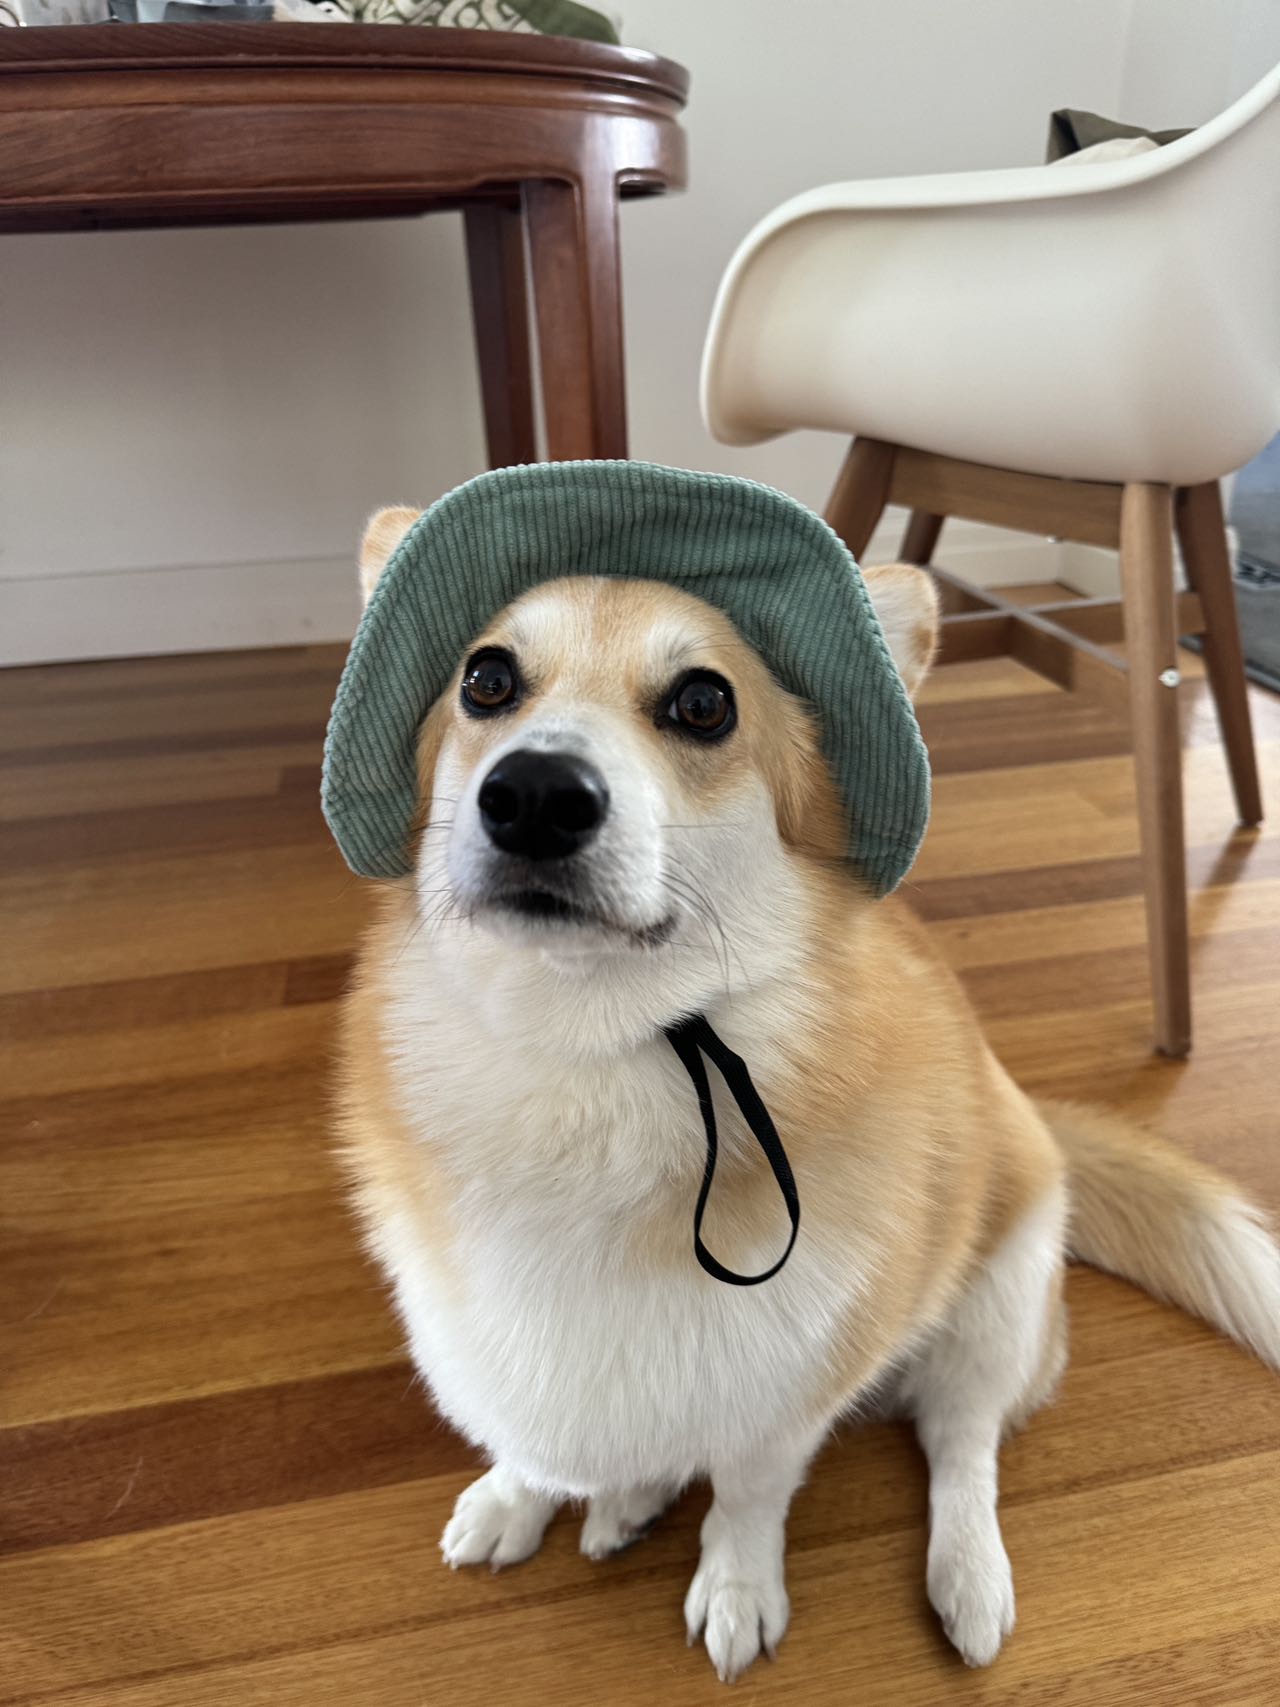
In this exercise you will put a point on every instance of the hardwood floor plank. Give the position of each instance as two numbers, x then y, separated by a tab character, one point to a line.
176	1237
1048	888
239	1041
242	707
64	790
1234	936
219	1486
219	1454
372	1611
229	824
151	917
171	998
110	680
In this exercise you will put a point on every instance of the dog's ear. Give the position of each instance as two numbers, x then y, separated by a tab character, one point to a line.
808	809
383	532
906	601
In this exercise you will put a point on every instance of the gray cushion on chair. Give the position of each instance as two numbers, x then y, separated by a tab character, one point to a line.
1071	129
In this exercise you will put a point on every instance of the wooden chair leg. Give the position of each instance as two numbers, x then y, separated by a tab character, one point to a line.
1146	570
1202	534
500	314
920	540
577	295
860	493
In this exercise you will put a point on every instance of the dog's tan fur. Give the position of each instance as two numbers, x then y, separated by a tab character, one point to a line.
907	1137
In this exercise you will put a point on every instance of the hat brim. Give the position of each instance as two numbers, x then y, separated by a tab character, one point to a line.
775	568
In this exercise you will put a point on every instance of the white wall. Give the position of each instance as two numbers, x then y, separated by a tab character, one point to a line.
786	97
1184	60
195	423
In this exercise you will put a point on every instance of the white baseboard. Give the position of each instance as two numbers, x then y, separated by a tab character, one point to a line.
987	556
214	607
1089	569
1095	571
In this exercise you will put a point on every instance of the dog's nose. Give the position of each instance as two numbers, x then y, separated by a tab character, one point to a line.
542	805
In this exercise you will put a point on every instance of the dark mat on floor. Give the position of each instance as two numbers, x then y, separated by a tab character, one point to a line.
1255	516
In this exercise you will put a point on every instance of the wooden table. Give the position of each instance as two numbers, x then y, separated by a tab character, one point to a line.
534	138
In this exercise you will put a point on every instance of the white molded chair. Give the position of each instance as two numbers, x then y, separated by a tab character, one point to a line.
1080	349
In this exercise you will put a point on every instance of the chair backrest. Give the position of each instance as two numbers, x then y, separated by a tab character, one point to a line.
1115	321
1218	190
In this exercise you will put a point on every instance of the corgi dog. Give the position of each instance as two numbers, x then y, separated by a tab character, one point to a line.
625	819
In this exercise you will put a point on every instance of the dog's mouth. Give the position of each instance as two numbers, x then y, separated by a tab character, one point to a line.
542	904
545	906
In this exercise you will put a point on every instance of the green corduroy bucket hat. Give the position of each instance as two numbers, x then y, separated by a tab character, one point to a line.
773	566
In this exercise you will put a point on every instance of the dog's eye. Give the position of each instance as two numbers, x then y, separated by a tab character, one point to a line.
489	682
702	705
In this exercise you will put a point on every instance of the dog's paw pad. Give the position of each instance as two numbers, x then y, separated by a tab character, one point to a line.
496	1523
738	1619
971	1588
615	1521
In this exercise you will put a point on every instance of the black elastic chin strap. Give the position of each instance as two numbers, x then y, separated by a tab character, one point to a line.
692	1039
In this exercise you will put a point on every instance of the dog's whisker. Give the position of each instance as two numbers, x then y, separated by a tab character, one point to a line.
445	906
713	914
708	824
694	644
410	936
697	905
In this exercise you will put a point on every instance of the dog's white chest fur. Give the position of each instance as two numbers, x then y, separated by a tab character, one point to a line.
552	1338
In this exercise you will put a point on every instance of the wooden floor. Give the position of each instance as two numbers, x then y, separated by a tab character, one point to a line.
220	1483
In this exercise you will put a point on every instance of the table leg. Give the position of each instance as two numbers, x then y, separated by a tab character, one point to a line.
500	313
576	264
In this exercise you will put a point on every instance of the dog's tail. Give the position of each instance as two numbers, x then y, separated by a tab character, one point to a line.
1143	1210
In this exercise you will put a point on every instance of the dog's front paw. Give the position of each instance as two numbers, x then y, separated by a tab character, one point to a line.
971	1589
741	1610
615	1521
497	1521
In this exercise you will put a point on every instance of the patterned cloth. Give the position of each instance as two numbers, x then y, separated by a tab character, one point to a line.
527	17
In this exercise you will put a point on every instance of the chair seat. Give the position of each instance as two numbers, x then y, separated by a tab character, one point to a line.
1111	322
